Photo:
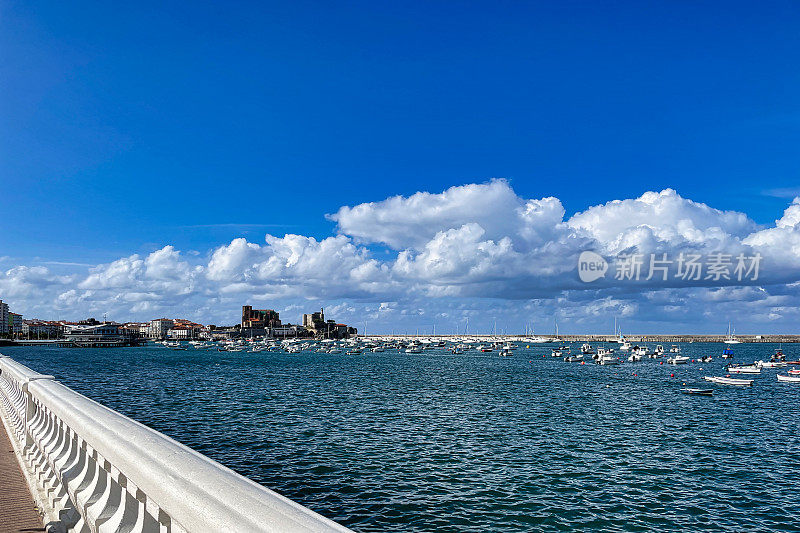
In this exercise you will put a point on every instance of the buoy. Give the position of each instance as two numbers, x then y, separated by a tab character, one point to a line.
661	363
672	375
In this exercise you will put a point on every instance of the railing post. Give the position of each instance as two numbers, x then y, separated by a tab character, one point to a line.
30	411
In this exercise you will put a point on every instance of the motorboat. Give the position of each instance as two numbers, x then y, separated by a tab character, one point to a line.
658	352
770	364
788	379
727	353
706	359
744	369
587	349
778	356
505	351
573	358
414	349
678	360
634	357
606	357
698	392
729	381
674	349
793	372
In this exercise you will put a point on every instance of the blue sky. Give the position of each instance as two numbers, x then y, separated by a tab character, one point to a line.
129	128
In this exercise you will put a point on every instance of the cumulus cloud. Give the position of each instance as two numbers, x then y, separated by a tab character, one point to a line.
478	244
411	222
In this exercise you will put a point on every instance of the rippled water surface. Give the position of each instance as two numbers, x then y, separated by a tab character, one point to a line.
434	442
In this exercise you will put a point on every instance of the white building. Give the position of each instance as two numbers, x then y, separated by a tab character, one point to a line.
37	329
181	333
159	328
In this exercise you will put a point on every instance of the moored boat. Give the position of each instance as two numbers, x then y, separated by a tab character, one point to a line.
606	357
745	369
698	392
678	360
727	353
789	379
770	364
729	381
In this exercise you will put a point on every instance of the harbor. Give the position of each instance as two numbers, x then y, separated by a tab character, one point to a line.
409	435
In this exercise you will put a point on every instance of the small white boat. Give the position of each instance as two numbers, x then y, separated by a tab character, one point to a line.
793	372
414	349
634	357
750	369
678	360
606	357
505	351
729	381
674	349
788	378
770	364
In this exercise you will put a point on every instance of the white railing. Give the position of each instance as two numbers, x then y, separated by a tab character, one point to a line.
95	470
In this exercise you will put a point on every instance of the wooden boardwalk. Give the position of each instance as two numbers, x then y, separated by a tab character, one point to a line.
18	512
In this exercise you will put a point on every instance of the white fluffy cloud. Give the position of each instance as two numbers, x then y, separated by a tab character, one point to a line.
412	222
471	246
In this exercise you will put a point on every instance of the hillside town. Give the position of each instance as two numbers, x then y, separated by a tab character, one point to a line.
263	323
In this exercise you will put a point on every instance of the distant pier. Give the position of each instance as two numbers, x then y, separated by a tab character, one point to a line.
72	343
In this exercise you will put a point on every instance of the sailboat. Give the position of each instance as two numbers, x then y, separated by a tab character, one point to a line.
613	338
535	339
730	338
556	339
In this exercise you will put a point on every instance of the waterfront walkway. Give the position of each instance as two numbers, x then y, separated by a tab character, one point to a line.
17	510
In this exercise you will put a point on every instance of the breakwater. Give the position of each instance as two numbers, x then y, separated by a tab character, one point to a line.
671	338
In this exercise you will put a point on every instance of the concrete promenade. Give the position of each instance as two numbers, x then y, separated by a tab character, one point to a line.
18	511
